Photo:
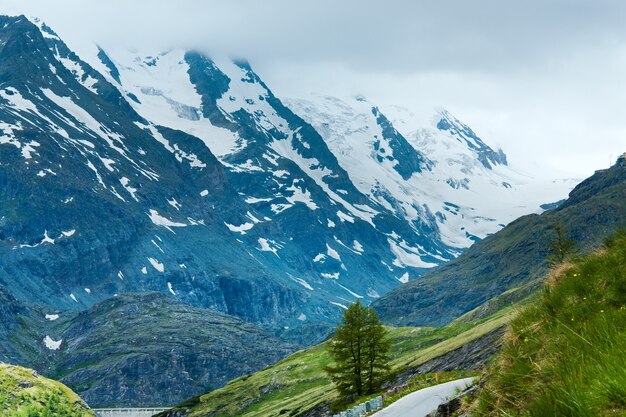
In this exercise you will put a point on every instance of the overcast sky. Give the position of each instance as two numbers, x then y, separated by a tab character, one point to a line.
545	80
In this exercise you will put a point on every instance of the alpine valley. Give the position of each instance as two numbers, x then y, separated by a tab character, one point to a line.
163	213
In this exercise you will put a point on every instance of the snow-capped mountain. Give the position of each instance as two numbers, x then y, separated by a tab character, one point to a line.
182	173
461	189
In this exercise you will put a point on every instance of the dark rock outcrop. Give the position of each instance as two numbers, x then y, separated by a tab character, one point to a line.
141	349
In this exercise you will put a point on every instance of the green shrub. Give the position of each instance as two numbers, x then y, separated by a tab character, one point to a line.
23	393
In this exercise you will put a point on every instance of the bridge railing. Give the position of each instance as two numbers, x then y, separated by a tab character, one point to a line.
129	412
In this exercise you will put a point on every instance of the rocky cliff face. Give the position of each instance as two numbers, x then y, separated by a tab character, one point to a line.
98	200
134	350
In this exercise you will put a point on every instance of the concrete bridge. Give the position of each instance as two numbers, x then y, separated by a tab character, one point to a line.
127	412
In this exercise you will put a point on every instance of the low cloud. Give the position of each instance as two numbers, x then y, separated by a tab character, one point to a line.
543	79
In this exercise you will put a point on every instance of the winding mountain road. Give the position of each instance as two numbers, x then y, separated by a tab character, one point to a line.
422	402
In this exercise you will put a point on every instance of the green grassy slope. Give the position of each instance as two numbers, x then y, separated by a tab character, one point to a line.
565	354
511	258
298	383
23	393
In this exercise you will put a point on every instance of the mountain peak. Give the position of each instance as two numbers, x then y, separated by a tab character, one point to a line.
464	134
409	160
45	30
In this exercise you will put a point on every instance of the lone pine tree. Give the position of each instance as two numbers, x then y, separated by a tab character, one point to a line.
561	247
360	351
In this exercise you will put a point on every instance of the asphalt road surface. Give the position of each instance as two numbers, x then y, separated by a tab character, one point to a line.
422	402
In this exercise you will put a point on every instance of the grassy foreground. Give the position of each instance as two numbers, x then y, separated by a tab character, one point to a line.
23	393
298	383
565	354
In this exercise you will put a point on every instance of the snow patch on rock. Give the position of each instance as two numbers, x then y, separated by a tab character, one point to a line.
156	264
52	344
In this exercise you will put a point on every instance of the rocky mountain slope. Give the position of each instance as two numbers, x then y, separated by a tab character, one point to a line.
513	257
110	185
183	174
137	349
150	347
21	335
441	177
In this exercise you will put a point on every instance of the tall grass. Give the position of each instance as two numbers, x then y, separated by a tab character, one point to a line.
23	393
565	354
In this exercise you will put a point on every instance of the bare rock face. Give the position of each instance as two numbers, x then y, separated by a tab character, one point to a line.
99	199
143	349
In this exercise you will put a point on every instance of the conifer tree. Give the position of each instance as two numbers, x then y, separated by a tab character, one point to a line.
561	247
376	351
360	351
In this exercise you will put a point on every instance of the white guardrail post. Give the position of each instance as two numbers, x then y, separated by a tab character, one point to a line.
363	408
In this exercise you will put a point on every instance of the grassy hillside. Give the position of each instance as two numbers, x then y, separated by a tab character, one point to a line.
565	354
23	393
513	258
298	384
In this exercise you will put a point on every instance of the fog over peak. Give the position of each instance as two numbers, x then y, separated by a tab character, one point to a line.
546	81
